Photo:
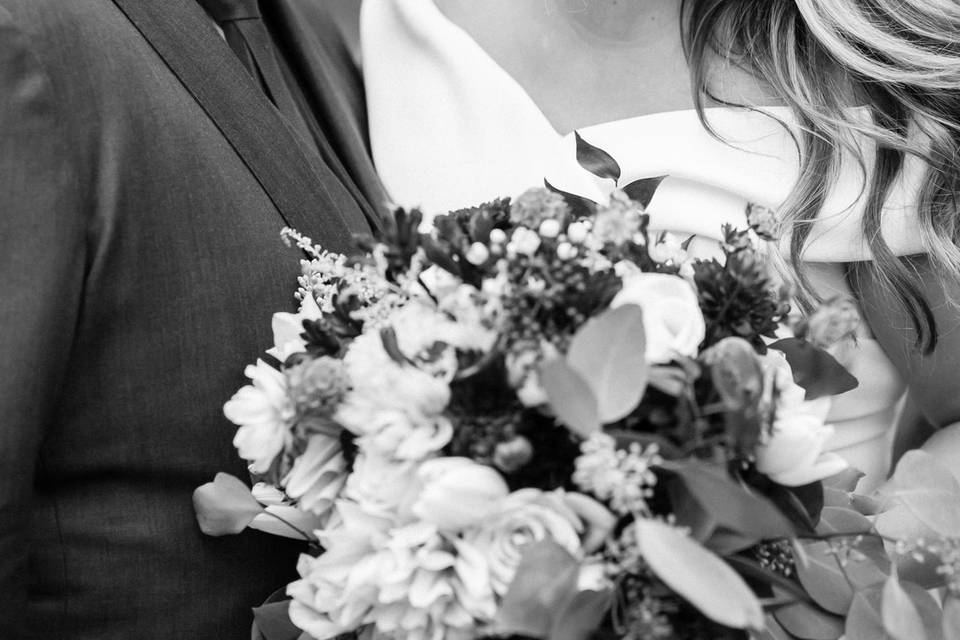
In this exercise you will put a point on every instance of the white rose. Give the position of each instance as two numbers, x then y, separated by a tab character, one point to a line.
523	518
672	318
458	493
382	486
263	411
792	454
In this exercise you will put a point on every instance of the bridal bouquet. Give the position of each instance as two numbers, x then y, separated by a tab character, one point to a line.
538	418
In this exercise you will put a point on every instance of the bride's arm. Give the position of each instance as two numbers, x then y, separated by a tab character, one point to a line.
933	378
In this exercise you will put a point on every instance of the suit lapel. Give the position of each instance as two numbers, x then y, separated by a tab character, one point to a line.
306	193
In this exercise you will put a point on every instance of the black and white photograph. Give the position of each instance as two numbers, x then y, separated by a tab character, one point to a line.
480	319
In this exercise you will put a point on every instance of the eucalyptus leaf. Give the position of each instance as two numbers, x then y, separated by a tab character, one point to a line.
771	631
608	352
836	498
225	506
928	490
596	160
581	616
831	578
570	397
836	520
809	622
899	614
729	504
698	576
899	523
865	620
543	586
814	369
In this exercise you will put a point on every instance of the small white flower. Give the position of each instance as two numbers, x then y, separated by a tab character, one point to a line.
264	412
577	232
672	319
566	251
478	253
550	228
524	242
498	236
623	478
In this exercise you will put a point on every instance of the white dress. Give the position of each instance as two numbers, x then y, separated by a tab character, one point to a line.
451	128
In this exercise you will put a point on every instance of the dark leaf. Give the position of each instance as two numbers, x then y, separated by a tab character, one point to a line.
392	346
753	571
273	622
596	160
580	207
814	369
801	505
642	190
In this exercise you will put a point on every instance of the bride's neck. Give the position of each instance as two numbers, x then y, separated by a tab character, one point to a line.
616	21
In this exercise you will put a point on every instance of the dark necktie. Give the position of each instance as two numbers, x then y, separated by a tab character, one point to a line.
246	33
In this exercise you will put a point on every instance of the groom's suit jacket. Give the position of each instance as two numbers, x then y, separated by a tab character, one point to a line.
144	180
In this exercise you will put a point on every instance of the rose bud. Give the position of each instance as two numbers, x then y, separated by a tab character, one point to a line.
513	454
835	320
736	371
458	492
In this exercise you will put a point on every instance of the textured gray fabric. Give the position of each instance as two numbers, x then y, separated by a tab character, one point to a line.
139	266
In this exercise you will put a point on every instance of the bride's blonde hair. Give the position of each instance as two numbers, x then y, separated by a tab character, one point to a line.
900	58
